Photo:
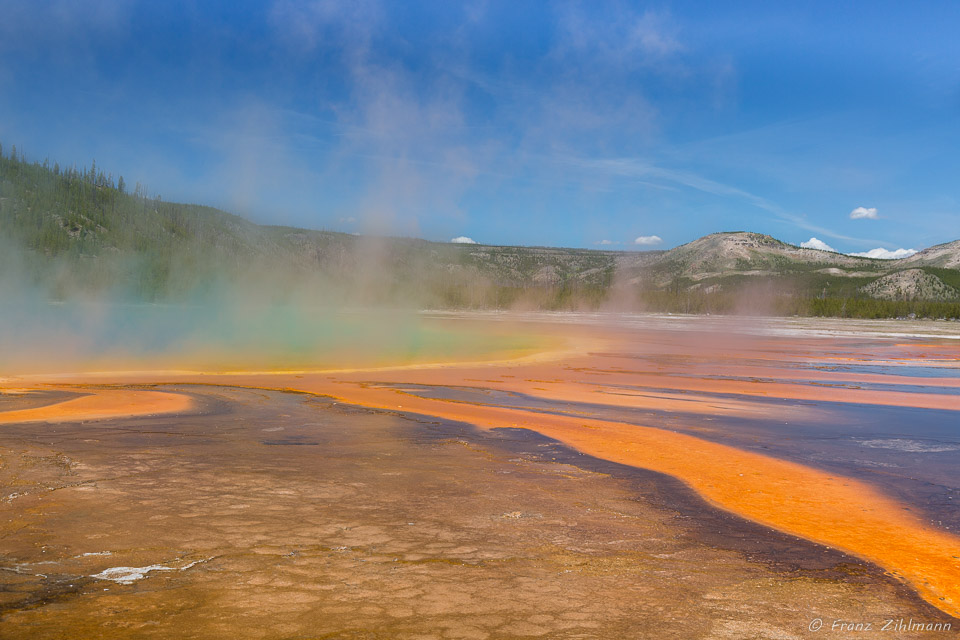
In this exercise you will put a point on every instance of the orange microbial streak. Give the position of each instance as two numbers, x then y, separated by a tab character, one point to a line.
103	403
835	511
676	373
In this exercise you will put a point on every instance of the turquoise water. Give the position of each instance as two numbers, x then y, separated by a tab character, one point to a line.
41	337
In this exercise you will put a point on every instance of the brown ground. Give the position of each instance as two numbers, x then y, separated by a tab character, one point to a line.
276	515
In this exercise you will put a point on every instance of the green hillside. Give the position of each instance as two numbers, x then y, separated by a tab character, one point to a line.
79	233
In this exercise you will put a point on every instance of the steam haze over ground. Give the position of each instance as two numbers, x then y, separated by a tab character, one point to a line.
264	317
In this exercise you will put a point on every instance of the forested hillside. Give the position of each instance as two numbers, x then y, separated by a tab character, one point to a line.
82	231
68	233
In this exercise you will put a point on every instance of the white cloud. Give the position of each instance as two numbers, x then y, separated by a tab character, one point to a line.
819	245
864	213
348	220
648	241
879	253
885	254
463	240
605	242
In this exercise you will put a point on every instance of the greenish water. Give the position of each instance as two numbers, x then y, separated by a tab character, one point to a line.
40	336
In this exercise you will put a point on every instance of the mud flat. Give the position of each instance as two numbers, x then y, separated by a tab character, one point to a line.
527	499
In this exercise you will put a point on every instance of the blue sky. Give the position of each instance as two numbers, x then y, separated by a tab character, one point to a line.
514	122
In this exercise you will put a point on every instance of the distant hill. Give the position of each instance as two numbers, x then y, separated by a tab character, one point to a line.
910	284
723	253
725	259
946	256
69	232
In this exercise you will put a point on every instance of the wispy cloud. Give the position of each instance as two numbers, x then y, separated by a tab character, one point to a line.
307	25
622	35
638	168
400	136
45	24
411	120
